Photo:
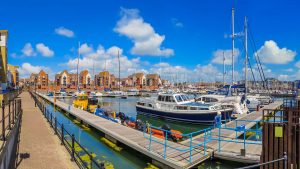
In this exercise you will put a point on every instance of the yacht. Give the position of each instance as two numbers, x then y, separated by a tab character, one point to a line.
179	107
237	103
95	94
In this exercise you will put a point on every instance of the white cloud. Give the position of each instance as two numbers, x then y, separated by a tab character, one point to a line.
284	77
288	70
26	69
64	32
84	49
146	40
44	50
176	22
101	59
218	56
28	50
297	64
271	53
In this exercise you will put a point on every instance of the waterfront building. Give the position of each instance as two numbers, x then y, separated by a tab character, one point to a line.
62	79
138	79
3	60
85	79
39	80
153	81
13	75
104	79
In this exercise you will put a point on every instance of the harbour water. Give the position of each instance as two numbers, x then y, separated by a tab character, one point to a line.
90	138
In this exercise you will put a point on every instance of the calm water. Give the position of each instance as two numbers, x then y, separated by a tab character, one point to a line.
126	158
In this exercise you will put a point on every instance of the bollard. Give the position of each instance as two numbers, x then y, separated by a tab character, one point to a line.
73	148
51	124
3	121
9	125
62	134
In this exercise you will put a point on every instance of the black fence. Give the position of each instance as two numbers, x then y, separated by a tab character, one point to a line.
79	154
11	112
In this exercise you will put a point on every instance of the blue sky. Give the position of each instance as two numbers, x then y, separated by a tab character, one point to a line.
179	39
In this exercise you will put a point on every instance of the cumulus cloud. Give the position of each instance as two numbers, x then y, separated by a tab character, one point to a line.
218	56
271	53
284	77
64	32
297	64
28	50
146	40
44	50
105	59
26	69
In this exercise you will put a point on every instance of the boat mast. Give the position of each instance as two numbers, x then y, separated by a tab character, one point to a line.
223	69
246	57
232	36
78	66
119	72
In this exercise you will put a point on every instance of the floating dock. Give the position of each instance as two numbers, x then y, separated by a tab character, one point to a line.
168	157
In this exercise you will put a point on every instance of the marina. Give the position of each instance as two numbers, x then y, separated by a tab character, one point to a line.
174	158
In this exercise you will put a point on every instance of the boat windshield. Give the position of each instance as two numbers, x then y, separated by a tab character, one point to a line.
178	98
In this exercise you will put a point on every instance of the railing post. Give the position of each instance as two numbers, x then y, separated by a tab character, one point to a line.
55	125
235	129
73	148
165	145
51	124
3	121
219	138
285	160
62	134
91	159
13	112
150	141
204	143
191	147
9	125
256	135
245	140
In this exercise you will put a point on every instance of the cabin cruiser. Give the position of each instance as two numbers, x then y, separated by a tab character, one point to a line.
179	107
95	94
237	103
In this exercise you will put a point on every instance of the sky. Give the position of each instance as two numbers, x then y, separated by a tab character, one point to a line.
181	40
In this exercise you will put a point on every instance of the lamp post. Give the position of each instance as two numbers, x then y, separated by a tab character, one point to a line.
35	81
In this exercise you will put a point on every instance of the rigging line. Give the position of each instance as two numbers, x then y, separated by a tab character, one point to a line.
249	63
252	37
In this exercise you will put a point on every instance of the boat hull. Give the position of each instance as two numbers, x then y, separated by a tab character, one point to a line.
193	117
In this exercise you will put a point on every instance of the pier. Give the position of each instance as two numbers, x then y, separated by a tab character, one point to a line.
223	142
38	146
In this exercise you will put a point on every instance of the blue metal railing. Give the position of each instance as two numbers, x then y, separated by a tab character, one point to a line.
206	137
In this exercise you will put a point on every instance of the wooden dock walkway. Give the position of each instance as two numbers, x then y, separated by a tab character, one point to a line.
232	151
175	158
136	140
39	148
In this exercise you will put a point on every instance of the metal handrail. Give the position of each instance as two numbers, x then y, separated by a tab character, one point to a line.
269	162
62	133
189	148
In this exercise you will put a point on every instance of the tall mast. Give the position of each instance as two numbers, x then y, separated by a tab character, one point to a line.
223	69
94	74
119	72
78	65
246	57
232	45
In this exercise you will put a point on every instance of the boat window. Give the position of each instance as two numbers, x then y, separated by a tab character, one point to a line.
178	98
193	108
168	98
201	108
140	103
149	105
184	97
163	98
172	99
159	98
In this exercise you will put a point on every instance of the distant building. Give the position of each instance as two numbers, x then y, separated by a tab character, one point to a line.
39	80
62	79
85	78
104	79
153	81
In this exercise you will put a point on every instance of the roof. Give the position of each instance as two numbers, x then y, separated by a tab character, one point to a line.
152	76
84	73
139	74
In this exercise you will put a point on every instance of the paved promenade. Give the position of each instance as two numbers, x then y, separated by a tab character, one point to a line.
39	148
